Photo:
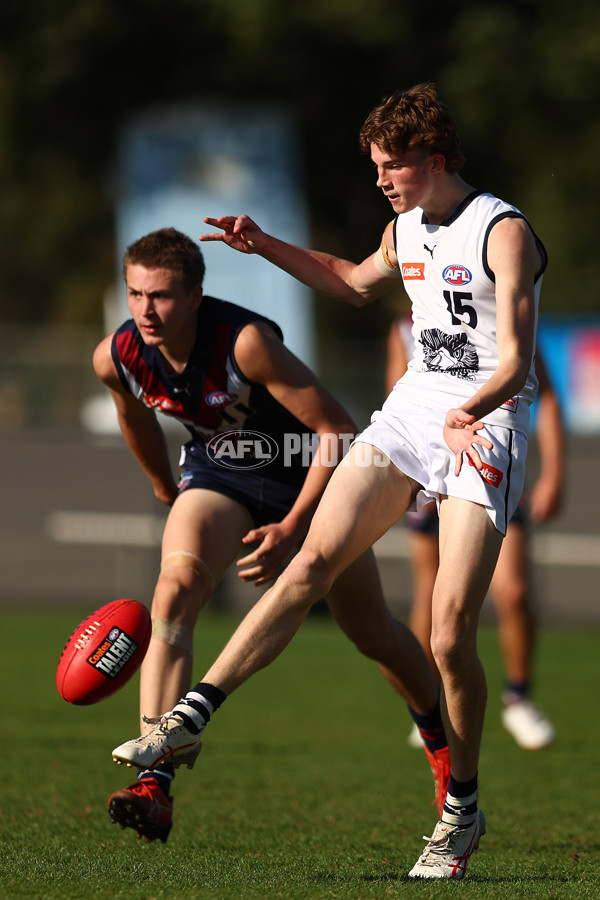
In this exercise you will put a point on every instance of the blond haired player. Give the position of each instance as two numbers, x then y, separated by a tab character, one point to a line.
225	373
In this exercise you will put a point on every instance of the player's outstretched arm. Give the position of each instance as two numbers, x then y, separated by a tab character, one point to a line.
354	284
139	426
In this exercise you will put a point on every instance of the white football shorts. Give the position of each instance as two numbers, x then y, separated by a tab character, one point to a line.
411	436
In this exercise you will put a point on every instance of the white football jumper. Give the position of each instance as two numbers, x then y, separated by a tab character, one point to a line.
447	277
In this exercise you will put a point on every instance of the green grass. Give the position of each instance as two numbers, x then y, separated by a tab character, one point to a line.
306	787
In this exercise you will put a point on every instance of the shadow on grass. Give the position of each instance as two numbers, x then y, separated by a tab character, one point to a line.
520	879
403	878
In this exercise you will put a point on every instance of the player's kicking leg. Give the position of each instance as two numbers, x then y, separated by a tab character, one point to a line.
375	496
469	547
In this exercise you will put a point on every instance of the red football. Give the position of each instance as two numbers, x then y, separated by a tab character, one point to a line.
104	652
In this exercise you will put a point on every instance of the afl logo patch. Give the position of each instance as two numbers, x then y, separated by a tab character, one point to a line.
242	449
456	275
220	398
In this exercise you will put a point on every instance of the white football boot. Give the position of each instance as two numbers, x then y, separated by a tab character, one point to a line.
168	740
527	725
448	850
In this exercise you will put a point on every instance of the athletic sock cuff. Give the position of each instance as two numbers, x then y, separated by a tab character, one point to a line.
214	695
198	705
461	789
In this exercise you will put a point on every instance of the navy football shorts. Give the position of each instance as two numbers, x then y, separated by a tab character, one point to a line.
266	499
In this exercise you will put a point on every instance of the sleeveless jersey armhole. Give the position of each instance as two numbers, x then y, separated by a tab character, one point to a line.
117	363
538	243
231	356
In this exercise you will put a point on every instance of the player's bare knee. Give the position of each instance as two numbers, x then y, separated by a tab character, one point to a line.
174	613
188	568
309	573
452	646
175	601
170	596
511	597
184	585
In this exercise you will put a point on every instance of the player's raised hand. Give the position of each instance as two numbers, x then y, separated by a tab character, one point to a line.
238	232
460	433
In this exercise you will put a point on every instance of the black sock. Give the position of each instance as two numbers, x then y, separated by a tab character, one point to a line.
460	806
430	727
198	705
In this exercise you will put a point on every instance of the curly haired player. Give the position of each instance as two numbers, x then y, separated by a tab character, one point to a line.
453	430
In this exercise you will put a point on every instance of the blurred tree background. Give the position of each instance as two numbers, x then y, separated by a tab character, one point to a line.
522	78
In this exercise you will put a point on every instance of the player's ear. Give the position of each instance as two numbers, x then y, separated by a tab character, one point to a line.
438	162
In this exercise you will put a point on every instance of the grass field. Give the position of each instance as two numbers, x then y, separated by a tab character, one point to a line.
306	787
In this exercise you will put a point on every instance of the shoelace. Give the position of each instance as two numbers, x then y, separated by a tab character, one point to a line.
160	720
152	720
439	844
436	847
161	723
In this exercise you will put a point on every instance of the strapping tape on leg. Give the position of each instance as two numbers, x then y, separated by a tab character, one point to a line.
174	634
190	561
